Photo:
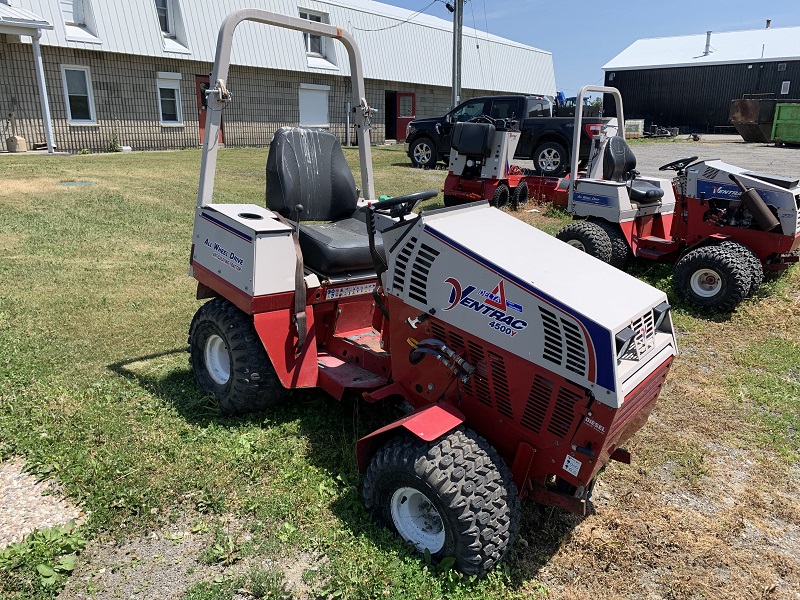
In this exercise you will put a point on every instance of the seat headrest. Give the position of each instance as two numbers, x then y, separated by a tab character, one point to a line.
618	160
307	166
473	138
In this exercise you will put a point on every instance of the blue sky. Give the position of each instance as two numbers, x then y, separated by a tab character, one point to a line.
584	35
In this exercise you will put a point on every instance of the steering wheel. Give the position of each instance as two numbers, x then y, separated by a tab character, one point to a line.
678	165
400	206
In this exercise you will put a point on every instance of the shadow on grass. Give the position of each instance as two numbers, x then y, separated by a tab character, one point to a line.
332	429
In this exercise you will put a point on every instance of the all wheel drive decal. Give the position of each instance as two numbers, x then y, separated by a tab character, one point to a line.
224	256
598	340
591	199
493	306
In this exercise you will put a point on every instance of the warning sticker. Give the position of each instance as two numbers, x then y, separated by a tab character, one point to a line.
348	291
572	465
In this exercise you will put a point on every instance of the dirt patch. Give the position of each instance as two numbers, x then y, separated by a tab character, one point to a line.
27	504
163	564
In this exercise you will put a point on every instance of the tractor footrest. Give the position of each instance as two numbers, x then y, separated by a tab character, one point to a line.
650	253
651	239
337	375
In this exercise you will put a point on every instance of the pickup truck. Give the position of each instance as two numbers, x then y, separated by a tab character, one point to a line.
545	139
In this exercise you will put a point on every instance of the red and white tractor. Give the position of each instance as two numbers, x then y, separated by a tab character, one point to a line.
722	226
480	164
521	384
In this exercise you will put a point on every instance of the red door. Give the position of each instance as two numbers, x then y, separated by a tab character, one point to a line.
202	83
406	112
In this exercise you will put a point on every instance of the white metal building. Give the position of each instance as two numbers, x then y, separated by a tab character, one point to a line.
99	54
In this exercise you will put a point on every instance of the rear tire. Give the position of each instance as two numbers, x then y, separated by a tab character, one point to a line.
520	196
454	497
712	277
756	268
550	159
229	360
423	153
620	251
501	195
589	237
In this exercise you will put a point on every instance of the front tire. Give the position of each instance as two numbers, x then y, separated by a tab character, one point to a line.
520	196
454	497
589	237
550	159
229	361
712	277
423	153
501	196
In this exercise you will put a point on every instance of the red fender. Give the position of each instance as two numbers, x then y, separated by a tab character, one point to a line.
276	331
427	424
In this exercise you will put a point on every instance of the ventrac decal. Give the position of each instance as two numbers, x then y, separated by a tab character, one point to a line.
490	304
712	189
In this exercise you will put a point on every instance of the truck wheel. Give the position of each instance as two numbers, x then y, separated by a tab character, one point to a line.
711	277
588	237
756	268
520	196
501	195
229	361
453	497
620	251
423	153
550	159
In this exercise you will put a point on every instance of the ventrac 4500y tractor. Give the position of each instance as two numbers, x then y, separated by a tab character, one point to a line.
524	375
721	225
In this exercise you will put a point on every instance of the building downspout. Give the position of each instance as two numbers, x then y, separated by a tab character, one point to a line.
48	125
707	51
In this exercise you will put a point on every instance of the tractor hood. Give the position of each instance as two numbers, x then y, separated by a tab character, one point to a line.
490	275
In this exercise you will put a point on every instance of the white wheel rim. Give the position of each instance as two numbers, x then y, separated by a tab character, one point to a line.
706	283
218	360
417	520
577	244
422	152
549	159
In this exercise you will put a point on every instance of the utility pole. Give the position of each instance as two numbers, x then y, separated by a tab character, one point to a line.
458	19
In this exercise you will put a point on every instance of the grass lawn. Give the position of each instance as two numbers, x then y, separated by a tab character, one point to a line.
95	391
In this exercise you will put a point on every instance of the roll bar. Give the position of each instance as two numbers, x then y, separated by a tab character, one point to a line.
219	96
574	159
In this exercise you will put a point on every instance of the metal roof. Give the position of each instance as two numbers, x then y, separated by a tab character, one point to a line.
15	20
418	51
755	45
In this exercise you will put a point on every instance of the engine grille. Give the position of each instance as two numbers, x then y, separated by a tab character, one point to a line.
645	337
418	282
401	266
563	342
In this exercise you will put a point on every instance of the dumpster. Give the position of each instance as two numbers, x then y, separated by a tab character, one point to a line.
786	126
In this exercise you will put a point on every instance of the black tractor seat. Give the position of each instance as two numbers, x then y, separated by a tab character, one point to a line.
619	164
306	167
338	247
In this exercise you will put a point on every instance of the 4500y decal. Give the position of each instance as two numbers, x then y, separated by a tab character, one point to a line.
490	304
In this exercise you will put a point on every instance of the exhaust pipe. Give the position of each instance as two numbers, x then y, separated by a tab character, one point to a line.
762	215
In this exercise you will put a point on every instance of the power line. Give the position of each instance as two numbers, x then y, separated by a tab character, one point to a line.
421	10
477	46
489	46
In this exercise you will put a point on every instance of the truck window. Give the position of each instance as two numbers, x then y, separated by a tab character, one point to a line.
505	109
468	110
539	109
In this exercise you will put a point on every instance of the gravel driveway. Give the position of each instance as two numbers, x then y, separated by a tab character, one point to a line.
765	158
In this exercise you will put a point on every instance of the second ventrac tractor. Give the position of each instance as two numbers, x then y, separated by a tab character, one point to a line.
524	375
722	226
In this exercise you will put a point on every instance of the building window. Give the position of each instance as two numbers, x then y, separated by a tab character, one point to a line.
785	87
313	43
78	94
169	99
72	11
611	76
314	105
165	17
781	66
